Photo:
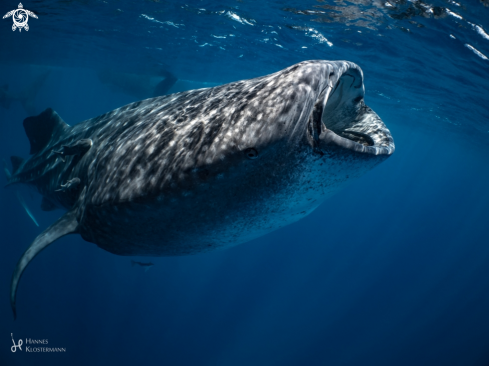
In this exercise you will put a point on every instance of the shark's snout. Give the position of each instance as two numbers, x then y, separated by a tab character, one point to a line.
342	118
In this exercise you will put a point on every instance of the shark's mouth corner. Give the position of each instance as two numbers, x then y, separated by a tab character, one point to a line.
341	118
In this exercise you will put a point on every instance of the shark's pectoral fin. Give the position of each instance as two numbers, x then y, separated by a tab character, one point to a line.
66	224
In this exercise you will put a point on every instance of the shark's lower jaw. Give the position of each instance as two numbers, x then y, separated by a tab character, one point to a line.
342	119
366	134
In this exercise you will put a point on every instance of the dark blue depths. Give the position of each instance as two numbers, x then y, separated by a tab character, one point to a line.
390	271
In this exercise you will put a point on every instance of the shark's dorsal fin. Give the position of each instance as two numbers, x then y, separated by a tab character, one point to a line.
66	224
41	128
17	161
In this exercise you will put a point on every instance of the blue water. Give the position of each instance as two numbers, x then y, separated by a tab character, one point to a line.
393	270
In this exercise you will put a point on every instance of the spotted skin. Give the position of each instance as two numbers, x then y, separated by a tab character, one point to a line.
211	168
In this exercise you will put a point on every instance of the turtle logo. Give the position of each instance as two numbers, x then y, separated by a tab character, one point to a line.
20	17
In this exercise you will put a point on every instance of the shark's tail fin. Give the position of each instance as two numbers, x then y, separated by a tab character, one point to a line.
66	224
28	96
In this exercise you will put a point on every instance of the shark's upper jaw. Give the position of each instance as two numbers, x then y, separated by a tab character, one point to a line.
341	118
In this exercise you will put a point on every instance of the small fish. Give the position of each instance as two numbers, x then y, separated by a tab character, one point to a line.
69	185
146	266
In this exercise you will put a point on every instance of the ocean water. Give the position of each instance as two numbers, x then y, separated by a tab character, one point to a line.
392	270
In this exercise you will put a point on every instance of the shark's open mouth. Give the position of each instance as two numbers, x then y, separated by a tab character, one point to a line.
342	118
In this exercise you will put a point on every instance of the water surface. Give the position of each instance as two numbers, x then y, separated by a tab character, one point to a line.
390	271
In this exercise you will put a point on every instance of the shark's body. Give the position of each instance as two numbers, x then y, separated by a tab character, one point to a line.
205	169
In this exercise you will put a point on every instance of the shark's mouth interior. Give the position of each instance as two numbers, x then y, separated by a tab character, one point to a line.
341	117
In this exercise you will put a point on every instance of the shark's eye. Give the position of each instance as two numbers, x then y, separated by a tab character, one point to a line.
251	153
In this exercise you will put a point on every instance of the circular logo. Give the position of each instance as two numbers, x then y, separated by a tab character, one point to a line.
20	18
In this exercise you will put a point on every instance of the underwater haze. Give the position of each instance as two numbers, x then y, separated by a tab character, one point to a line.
392	270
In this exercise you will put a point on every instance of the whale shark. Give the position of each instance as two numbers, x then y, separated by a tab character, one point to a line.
142	86
137	85
25	97
205	169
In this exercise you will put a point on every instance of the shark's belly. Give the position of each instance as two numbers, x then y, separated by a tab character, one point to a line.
180	229
215	218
